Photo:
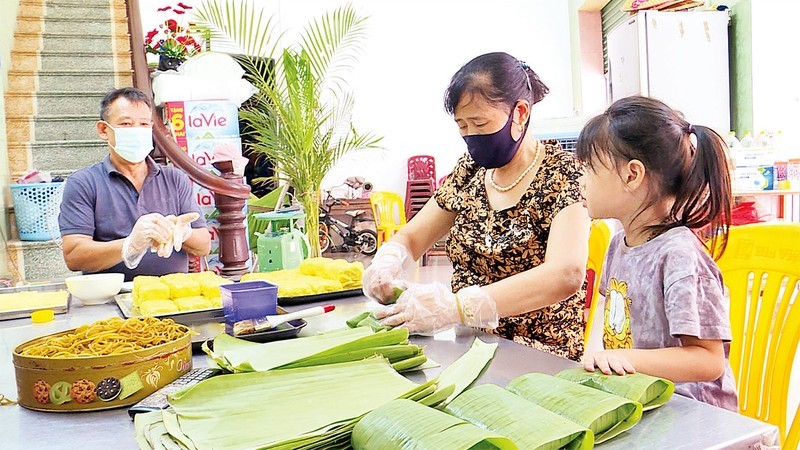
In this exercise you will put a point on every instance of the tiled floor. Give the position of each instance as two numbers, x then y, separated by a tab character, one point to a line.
439	269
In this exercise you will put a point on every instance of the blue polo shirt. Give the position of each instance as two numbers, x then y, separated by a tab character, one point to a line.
102	203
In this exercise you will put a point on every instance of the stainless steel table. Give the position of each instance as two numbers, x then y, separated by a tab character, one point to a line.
680	424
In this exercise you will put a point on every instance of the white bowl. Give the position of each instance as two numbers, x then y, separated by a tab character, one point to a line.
95	289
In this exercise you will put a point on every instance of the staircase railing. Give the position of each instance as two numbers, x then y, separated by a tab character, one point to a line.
230	191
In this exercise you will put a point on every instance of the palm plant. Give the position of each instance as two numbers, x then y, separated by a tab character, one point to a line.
301	114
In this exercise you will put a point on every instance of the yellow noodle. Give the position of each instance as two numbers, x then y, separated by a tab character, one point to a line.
109	337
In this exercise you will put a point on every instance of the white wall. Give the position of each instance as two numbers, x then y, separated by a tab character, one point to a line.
412	50
776	91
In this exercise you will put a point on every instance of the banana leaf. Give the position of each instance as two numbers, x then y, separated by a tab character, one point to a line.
466	369
404	424
327	348
530	426
650	391
605	414
262	409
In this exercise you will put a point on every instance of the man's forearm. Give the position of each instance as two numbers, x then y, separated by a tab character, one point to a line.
199	243
91	256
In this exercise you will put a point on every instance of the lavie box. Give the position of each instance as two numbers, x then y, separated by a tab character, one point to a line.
207	119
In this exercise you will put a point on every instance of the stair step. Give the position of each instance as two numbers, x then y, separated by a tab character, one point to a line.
59	41
54	61
62	157
54	103
89	3
65	80
75	26
67	128
37	260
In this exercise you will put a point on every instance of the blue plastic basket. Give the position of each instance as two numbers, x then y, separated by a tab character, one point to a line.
36	207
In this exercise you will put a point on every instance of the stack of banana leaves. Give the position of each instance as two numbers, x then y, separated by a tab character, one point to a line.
303	407
535	411
237	355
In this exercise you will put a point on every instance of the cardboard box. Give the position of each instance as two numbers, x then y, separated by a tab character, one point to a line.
208	119
204	151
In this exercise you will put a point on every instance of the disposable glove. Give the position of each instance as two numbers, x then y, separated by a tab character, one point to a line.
181	231
428	309
390	268
148	229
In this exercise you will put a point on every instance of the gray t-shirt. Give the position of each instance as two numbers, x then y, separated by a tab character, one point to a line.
664	289
100	202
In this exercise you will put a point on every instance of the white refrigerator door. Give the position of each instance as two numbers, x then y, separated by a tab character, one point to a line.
625	68
687	64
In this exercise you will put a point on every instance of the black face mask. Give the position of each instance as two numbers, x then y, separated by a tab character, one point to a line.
496	149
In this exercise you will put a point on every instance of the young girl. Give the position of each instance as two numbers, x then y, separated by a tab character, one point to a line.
666	314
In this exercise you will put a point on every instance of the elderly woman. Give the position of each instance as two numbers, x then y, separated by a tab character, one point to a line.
517	229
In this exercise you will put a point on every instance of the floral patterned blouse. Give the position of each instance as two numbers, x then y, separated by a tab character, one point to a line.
487	245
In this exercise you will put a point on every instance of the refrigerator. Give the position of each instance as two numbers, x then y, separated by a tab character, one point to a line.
680	58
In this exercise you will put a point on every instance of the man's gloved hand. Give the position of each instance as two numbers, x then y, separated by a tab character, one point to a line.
428	309
148	229
181	231
391	263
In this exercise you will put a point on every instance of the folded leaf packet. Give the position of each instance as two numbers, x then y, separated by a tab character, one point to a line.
530	426
648	390
607	415
404	424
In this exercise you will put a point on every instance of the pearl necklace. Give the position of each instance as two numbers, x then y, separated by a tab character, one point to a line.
520	177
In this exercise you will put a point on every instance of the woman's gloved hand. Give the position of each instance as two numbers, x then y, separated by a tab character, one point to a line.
148	229
390	267
428	309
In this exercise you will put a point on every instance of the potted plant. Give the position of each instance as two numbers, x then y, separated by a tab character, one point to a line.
301	113
171	40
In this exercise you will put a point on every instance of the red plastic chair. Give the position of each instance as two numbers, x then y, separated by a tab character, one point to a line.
421	167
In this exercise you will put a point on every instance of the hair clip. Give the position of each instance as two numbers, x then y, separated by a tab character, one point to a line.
690	129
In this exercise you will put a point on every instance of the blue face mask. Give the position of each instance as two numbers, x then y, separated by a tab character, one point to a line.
133	144
496	149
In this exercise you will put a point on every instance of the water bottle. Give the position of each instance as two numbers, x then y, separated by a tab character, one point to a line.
731	140
763	139
747	139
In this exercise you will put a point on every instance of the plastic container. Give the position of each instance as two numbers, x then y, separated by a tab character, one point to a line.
138	374
747	140
36	207
730	140
248	300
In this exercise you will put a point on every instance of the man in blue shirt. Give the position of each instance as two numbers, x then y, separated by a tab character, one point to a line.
126	213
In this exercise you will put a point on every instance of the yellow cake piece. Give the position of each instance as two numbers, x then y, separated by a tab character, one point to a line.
153	307
179	288
216	302
32	300
209	288
205	275
192	303
151	291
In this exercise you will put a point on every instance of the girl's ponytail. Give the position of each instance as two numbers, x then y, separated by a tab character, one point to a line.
704	197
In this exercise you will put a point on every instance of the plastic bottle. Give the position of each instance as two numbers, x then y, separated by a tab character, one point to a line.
762	140
731	140
747	140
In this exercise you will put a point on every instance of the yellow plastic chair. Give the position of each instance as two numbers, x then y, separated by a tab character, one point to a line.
389	214
761	268
793	438
599	238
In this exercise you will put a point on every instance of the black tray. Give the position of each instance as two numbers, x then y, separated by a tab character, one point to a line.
208	330
289	301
